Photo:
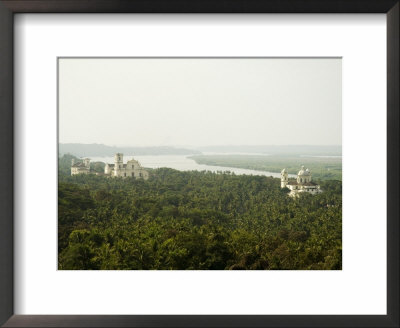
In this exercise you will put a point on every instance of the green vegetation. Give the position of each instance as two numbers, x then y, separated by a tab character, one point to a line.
323	168
195	220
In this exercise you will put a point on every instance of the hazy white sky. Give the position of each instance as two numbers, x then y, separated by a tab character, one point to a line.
200	102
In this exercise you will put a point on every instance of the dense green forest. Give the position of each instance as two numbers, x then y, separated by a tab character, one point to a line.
195	220
324	168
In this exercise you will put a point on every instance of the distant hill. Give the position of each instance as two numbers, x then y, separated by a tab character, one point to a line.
83	150
277	150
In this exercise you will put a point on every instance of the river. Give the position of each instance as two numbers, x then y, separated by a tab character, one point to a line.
183	163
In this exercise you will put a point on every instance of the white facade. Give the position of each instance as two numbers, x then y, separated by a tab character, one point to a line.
302	183
82	167
131	169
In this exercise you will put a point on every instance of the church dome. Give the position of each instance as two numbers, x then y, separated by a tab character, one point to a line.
303	171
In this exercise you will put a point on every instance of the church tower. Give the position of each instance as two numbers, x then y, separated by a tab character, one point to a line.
284	178
118	161
86	161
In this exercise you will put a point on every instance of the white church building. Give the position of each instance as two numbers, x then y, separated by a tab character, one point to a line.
302	184
81	167
131	169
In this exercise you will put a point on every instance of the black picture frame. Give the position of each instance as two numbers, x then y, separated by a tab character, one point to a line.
10	7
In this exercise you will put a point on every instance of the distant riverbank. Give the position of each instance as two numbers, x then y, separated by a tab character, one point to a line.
321	167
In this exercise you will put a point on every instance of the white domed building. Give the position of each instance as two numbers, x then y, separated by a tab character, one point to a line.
302	183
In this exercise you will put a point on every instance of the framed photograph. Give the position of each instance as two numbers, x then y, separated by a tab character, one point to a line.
199	164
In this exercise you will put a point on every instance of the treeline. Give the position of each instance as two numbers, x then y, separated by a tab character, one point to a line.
196	220
285	150
99	150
